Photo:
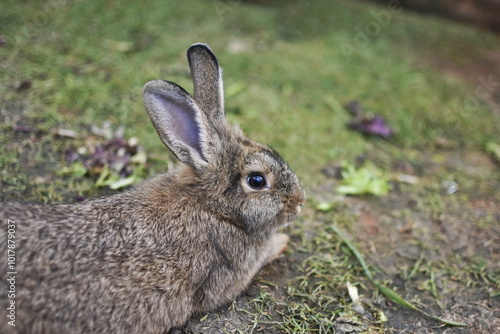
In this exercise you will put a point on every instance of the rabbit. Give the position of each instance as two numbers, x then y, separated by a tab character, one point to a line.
179	244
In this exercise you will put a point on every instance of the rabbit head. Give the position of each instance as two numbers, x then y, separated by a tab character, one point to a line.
237	179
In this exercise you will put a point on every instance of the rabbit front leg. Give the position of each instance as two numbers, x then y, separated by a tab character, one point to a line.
278	244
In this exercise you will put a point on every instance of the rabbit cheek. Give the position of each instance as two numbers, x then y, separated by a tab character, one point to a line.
261	214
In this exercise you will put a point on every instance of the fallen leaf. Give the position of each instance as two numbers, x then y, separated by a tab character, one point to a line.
325	206
493	149
346	325
79	198
450	187
118	162
22	128
65	133
353	292
367	123
405	178
363	180
24	85
118	46
371	125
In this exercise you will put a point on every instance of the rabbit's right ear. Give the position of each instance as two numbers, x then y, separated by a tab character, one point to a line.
178	121
207	78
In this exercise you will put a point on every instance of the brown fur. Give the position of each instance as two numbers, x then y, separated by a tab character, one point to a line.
146	260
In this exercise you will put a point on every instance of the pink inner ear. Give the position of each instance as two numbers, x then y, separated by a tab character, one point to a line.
178	119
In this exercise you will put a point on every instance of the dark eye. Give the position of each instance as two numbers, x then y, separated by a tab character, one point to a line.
256	181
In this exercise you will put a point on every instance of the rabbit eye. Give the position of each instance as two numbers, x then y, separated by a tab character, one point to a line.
256	181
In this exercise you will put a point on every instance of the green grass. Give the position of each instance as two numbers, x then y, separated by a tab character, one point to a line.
88	62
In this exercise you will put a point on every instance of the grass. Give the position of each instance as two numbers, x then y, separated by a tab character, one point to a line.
91	60
289	67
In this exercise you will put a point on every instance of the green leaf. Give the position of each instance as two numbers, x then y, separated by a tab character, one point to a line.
105	174
122	182
325	206
76	170
364	180
493	149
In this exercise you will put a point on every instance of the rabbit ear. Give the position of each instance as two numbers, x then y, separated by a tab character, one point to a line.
207	78
178	121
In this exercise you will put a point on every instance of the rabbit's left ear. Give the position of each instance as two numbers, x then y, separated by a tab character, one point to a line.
207	78
179	122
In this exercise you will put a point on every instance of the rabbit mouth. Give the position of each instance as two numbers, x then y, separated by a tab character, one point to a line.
284	226
291	215
294	208
295	203
287	222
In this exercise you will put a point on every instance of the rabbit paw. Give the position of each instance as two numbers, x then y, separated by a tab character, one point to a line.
279	243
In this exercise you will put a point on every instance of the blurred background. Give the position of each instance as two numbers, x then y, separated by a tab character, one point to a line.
289	68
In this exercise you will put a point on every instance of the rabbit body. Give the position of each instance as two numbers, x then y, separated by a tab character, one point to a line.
127	263
146	260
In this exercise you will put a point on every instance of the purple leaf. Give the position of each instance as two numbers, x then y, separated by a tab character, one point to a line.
71	156
116	153
366	123
375	125
118	163
117	142
79	198
22	128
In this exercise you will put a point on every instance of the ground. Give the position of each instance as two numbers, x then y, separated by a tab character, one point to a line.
434	237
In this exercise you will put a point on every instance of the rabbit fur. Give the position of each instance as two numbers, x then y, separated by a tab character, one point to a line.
182	243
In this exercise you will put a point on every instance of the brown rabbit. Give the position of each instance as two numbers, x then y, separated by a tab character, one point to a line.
146	260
